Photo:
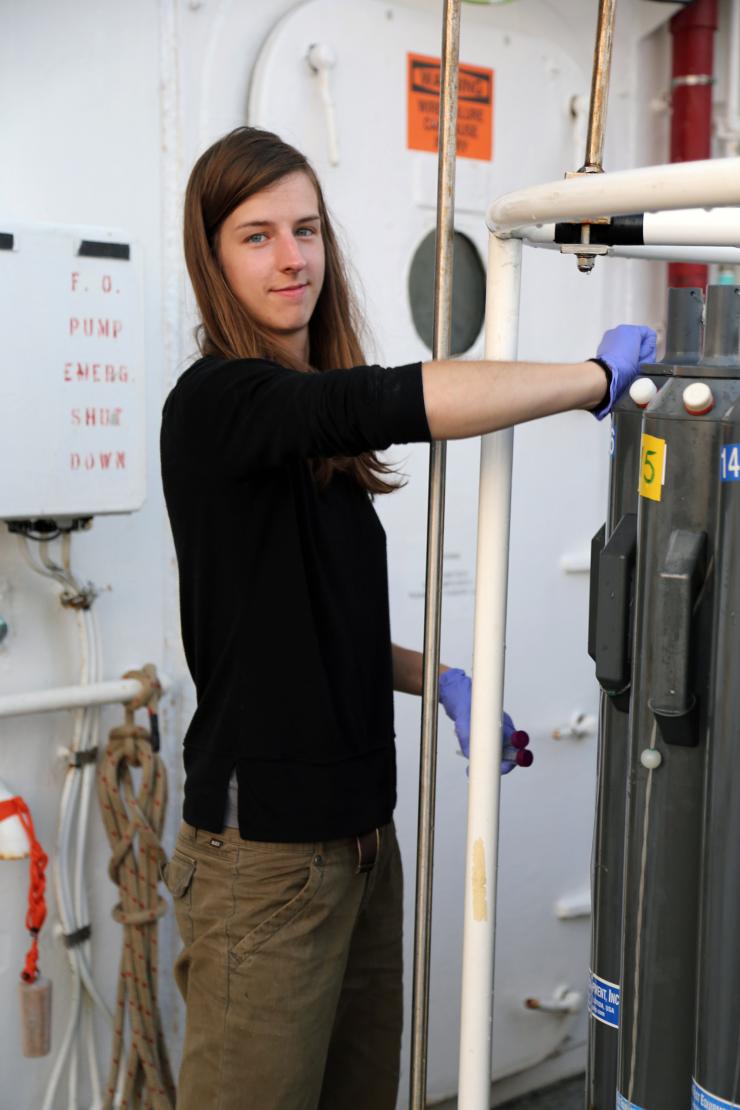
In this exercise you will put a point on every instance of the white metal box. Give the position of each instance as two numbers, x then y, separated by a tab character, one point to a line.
72	408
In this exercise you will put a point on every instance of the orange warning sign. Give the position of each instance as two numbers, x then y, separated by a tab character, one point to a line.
474	110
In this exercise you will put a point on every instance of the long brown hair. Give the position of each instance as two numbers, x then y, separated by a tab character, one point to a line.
239	165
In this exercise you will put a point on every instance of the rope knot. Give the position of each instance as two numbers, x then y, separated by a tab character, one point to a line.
133	810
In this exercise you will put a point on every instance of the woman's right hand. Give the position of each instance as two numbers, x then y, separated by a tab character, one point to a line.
623	350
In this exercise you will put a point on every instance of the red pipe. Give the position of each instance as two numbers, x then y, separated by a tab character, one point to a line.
693	32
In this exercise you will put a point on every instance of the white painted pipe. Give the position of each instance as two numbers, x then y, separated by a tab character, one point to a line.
709	231
71	697
710	183
681	234
492	568
718	227
724	256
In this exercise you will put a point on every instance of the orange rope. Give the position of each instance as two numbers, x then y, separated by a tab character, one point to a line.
36	913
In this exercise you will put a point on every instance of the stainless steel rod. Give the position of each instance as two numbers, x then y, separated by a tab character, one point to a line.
441	348
600	87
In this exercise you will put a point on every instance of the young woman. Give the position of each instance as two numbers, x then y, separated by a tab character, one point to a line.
286	876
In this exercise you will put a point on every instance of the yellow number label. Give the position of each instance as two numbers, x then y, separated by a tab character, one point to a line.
653	454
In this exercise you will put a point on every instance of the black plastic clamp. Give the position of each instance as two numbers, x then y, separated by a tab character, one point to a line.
71	940
82	758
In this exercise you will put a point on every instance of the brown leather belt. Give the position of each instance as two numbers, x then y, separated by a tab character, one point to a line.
367	850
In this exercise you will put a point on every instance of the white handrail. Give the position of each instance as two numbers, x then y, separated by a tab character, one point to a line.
710	183
72	697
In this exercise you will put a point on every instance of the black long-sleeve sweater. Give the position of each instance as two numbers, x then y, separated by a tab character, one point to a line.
284	592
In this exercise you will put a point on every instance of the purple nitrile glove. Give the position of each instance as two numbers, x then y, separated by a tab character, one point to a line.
623	349
455	689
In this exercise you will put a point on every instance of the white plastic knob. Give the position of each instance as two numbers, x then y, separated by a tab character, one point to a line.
651	759
698	398
642	391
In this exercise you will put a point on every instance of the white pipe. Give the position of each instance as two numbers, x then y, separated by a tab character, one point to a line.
707	184
69	878
724	256
492	567
71	697
716	229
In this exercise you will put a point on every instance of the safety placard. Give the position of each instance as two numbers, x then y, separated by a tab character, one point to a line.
73	386
474	109
730	462
603	1000
702	1100
653	455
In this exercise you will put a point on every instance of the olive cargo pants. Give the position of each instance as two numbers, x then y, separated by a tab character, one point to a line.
291	972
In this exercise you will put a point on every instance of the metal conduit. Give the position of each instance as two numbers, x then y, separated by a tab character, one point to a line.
441	344
600	88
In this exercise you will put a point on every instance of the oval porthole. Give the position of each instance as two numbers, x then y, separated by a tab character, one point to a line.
468	292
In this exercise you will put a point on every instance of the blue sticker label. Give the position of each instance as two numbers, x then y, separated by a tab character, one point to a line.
603	1000
623	1104
613	439
702	1100
730	462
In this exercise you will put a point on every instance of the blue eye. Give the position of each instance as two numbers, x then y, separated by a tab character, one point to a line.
309	231
258	235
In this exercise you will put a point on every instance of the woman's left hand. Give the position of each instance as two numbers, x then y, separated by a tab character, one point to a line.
455	688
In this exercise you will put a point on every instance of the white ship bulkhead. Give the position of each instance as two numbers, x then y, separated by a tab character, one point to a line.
104	109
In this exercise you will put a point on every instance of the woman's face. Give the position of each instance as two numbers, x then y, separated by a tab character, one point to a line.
272	254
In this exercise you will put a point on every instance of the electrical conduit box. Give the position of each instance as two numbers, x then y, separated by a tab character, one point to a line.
72	442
